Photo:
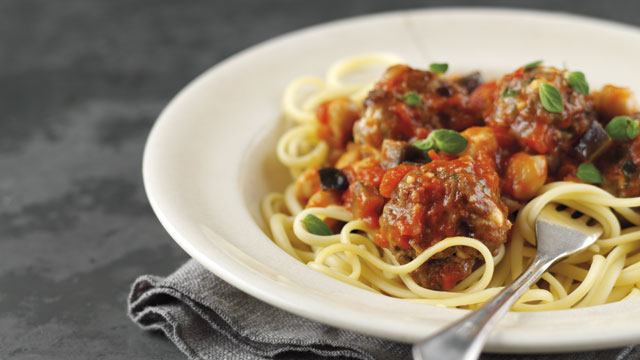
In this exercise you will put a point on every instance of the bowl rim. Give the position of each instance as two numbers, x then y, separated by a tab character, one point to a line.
226	268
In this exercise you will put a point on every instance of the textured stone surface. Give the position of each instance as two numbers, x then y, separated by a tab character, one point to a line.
81	82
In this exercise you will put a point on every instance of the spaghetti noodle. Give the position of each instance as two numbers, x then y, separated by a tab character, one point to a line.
608	271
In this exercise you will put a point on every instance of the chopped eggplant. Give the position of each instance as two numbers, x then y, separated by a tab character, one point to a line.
413	154
628	169
333	179
396	152
393	153
554	161
470	82
593	142
366	203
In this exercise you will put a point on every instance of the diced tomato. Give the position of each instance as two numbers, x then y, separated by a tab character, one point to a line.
324	130
335	124
380	240
420	133
433	155
481	99
367	170
539	138
322	113
450	277
405	114
518	73
567	170
392	178
324	133
366	203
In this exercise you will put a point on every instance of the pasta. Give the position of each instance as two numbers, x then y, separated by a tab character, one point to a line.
608	271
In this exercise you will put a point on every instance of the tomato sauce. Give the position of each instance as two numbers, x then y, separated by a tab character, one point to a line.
514	146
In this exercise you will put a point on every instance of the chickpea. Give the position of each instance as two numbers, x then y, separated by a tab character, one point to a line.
481	139
525	175
324	198
307	184
348	157
614	101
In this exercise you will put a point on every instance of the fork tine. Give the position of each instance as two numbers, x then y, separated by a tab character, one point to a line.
564	230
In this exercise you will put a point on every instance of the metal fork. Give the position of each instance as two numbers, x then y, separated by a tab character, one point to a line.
560	232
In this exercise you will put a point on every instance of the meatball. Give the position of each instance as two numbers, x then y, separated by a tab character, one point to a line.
391	113
514	103
438	200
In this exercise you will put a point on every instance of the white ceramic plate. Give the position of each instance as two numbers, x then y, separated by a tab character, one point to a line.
210	159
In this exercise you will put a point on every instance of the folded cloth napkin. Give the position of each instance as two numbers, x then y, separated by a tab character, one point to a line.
206	318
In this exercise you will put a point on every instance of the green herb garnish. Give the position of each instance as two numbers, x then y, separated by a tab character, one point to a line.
410	98
532	65
509	93
551	98
439	67
443	139
449	141
622	128
578	82
589	173
316	226
425	144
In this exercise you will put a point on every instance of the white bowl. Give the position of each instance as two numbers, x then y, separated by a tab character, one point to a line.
210	159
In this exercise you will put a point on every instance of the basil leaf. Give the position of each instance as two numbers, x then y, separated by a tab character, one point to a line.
449	141
314	225
578	82
509	93
439	67
589	173
425	144
443	139
410	98
622	128
532	65
551	98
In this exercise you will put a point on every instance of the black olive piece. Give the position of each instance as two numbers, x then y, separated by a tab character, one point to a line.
333	179
444	91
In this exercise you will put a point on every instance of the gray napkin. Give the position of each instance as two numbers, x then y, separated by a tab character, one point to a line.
206	318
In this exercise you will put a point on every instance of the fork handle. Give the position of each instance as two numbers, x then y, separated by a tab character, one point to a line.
465	338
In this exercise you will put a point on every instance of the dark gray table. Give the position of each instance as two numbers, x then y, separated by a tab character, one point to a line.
81	83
